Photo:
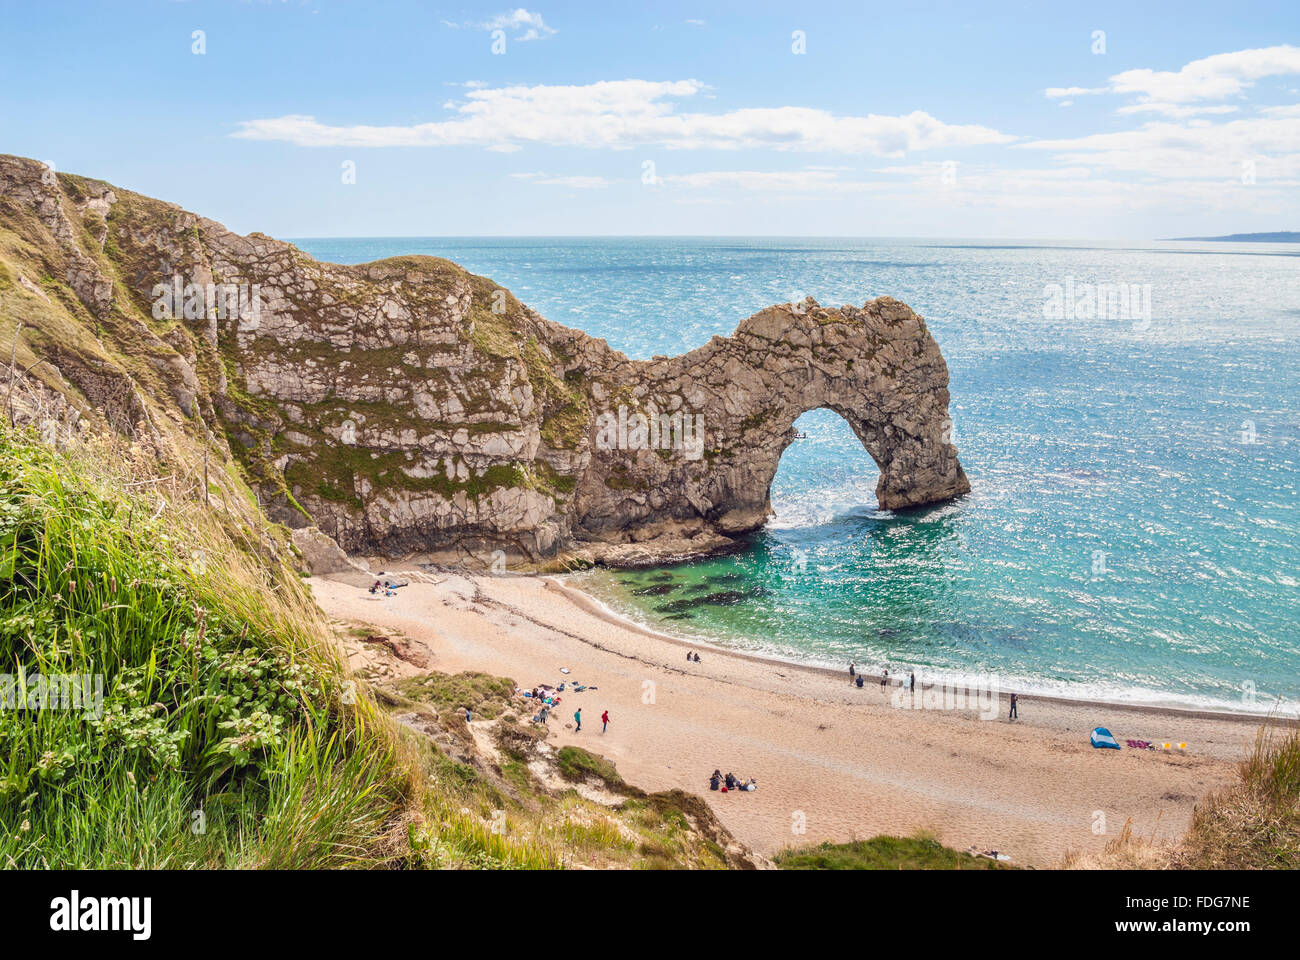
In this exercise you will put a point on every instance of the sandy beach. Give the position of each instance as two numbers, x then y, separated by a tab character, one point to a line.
833	761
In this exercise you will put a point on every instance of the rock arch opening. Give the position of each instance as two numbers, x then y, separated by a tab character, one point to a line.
877	368
823	474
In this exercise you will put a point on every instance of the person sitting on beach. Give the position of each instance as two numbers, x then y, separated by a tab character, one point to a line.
697	658
859	681
731	781
374	587
688	656
715	780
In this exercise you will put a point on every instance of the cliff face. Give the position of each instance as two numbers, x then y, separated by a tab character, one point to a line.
410	406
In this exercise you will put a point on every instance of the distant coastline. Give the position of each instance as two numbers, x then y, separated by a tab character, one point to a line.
1278	236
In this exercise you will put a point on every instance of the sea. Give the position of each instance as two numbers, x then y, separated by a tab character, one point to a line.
1128	414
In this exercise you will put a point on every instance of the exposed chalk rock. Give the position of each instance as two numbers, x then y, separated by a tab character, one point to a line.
409	406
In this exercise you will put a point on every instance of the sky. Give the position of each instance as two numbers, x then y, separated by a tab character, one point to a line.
334	118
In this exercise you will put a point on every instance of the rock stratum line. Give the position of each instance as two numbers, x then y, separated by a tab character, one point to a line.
409	406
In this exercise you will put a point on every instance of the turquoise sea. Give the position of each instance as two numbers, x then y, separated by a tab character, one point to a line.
1134	528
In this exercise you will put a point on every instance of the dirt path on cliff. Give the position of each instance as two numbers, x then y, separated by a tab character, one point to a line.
838	761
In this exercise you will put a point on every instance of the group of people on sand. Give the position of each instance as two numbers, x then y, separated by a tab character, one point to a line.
388	587
692	657
731	782
550	698
859	679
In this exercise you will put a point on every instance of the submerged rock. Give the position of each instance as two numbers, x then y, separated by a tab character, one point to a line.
657	590
720	598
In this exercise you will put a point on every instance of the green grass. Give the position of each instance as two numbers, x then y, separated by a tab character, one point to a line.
918	852
576	763
228	735
1254	824
486	696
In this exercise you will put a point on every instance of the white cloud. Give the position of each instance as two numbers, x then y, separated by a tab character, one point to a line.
1065	191
1055	92
825	181
532	24
1174	110
1212	78
1194	149
579	182
1078	190
622	114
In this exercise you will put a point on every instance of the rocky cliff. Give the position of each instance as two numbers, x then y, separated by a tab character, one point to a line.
409	406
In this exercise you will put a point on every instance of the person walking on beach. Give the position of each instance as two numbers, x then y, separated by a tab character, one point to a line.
604	721
911	682
577	718
1013	715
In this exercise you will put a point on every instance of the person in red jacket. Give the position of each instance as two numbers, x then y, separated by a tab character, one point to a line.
604	721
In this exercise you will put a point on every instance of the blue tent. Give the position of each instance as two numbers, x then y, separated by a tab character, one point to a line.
1101	737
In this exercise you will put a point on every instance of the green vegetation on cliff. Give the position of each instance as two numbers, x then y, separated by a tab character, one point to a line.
918	852
228	733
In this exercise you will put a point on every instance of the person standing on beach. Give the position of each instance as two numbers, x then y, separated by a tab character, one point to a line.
851	670
884	679
577	718
911	682
468	715
604	721
1013	715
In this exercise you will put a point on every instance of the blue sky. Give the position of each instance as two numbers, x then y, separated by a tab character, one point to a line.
989	119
